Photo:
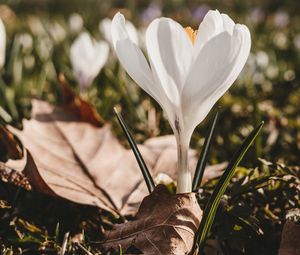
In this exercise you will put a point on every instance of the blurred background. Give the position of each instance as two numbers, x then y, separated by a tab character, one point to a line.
41	32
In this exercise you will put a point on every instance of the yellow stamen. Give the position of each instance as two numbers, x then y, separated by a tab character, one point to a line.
191	33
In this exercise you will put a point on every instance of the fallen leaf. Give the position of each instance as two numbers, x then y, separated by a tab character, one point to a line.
290	239
67	157
164	224
14	150
13	172
75	105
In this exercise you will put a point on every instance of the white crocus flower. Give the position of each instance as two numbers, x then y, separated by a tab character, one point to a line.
188	71
2	43
105	29
87	58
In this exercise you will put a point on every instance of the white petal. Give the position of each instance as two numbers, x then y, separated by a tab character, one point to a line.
136	65
87	58
228	24
217	66
131	57
101	53
132	32
105	29
2	43
80	53
170	53
213	24
118	29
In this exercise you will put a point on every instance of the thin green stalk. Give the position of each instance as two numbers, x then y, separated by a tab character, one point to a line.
213	203
146	173
201	164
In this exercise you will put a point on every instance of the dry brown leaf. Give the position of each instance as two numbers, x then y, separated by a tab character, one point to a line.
14	150
15	153
164	224
75	105
290	239
67	157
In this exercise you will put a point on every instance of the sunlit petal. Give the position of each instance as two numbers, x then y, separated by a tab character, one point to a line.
170	54
228	24
105	29
132	32
213	24
136	65
87	58
217	66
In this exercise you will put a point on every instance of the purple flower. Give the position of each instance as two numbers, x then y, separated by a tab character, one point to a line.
199	12
152	12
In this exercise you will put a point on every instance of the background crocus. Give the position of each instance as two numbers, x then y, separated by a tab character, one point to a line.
87	58
2	43
188	71
105	29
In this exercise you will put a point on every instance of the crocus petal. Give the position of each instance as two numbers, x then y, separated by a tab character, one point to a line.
118	29
217	66
132	32
228	24
87	58
136	65
83	46
2	44
101	53
105	29
213	24
170	53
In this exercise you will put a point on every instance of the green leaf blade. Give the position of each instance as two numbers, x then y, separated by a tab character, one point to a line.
146	173
201	164
213	203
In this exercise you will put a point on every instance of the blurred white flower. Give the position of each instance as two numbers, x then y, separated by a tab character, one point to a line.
262	59
297	41
272	72
256	15
2	43
26	42
87	58
75	23
258	78
44	47
105	29
36	26
280	40
188	71
281	19
289	75
57	32
29	61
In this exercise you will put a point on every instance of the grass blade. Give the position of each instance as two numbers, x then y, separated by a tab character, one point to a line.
213	203
146	174
201	164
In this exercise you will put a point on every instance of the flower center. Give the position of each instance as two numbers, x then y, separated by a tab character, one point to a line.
191	33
